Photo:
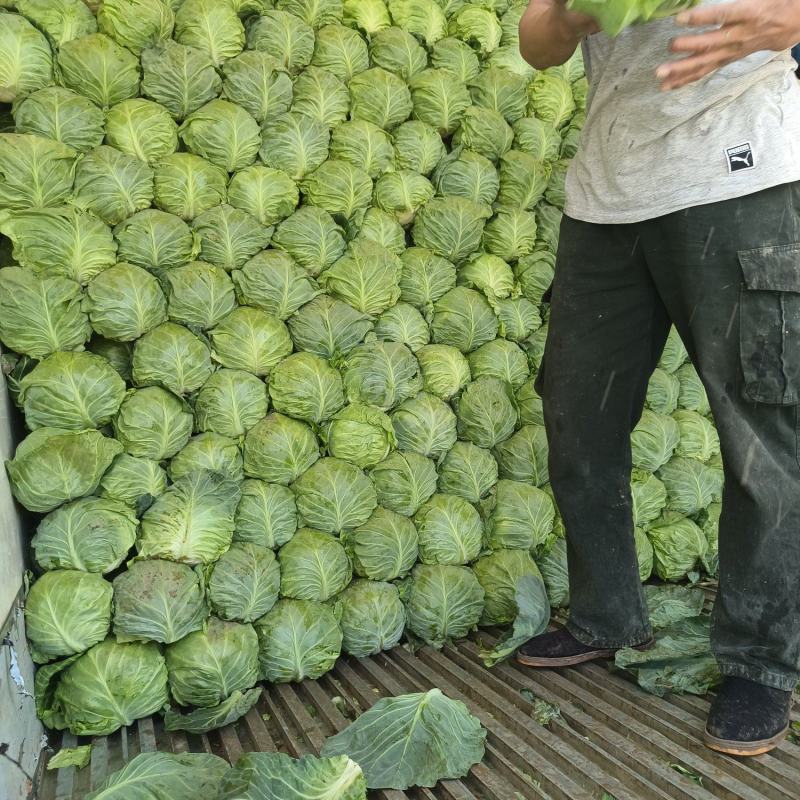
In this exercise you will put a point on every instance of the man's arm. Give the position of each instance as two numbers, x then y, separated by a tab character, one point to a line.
744	27
549	33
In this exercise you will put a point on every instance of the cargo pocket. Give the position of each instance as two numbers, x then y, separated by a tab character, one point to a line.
769	329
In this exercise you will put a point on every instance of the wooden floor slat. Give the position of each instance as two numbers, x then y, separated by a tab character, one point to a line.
610	740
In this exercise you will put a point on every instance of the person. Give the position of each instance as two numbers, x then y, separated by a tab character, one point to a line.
682	207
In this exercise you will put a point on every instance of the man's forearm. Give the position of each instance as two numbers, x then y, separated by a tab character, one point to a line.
549	33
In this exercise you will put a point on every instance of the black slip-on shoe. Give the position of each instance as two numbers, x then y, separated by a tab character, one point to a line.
561	649
747	718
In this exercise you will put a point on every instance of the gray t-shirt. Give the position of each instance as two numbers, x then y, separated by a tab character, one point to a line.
644	153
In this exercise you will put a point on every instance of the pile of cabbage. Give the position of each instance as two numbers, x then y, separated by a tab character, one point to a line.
272	305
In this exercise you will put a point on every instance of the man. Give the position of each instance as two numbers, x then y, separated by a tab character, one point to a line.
683	206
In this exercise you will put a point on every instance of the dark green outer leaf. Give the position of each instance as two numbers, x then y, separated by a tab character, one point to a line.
202	720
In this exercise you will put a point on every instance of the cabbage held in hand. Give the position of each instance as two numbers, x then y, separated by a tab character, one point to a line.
616	15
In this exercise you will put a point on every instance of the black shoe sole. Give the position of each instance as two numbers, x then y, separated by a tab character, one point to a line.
543	662
565	661
732	747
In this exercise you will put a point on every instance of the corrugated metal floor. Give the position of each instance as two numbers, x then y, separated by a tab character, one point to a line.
610	741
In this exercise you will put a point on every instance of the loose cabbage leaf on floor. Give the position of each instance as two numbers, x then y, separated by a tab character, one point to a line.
670	604
412	740
679	662
533	614
202	720
71	757
164	776
277	776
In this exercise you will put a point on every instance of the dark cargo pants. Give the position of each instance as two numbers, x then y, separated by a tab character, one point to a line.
728	276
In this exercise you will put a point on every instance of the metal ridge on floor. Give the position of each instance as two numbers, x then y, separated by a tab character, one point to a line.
610	740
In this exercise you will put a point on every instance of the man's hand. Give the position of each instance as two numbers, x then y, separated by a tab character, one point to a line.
744	27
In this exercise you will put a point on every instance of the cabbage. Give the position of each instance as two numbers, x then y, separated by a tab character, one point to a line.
340	51
463	319
60	241
136	24
404	481
35	171
230	402
244	583
418	147
403	324
273	282
523	456
158	601
52	466
678	544
222	132
59	114
500	359
250	340
200	295
380	97
106	688
312	238
155	240
381	374
134	481
207	666
187	185
314	566
445	370
112	185
279	449
66	612
28	63
320	95
228	236
468	471
253	81
267	194
499	574
297	639
211	27
40	315
487	413
522	517
92	534
615	16
458	57
397	51
360	434
180	78
173	357
334	495
153	423
424	425
208	451
385	547
371	616
201	505
266	515
450	531
442	603
98	68
72	391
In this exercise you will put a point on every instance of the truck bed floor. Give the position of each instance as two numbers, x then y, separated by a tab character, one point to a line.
610	740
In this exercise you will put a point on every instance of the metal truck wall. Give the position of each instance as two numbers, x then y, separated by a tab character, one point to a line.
20	731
